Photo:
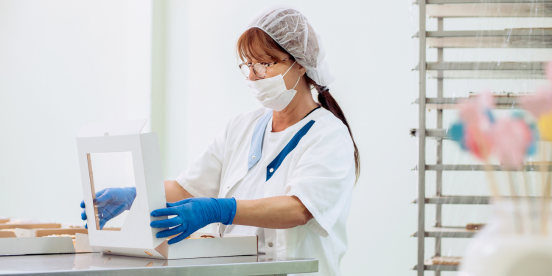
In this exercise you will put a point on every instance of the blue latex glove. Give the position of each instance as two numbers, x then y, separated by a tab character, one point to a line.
193	214
111	202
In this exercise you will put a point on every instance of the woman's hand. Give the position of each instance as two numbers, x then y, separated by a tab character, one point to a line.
193	214
111	202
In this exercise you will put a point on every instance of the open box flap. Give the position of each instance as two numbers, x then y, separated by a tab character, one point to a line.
112	128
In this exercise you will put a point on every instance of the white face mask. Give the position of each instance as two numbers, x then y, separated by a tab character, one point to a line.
272	92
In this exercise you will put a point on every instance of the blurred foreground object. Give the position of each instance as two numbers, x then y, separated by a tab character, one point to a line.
499	249
517	240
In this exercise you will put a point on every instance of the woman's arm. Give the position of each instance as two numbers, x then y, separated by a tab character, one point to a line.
279	212
197	212
174	192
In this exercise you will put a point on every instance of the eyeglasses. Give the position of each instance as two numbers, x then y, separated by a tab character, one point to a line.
258	68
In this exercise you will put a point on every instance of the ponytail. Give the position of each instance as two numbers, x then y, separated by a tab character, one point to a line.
328	102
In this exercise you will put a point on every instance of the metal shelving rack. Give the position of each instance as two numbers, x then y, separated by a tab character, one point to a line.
440	70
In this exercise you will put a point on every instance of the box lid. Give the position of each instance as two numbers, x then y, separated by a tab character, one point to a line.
112	128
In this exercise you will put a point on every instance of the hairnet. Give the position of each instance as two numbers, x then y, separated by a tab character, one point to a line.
291	30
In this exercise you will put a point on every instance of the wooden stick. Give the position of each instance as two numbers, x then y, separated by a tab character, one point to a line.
495	192
518	218
526	184
546	209
544	212
532	207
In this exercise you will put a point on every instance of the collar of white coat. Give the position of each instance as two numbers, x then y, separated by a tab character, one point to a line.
255	151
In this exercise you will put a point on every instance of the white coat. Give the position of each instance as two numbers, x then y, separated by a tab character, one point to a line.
319	170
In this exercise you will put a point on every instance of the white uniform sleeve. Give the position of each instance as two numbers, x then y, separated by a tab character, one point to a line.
202	178
324	178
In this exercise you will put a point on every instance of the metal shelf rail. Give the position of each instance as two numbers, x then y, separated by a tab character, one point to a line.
508	101
484	70
440	70
492	8
479	200
448	232
515	38
460	167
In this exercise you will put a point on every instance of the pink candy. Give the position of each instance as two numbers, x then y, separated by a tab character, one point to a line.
477	123
511	138
507	138
474	111
478	143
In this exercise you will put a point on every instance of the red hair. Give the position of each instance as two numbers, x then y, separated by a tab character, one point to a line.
258	45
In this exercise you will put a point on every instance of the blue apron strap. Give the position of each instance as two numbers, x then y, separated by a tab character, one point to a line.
275	164
255	152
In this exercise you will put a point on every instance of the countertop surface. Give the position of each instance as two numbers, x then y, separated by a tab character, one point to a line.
100	264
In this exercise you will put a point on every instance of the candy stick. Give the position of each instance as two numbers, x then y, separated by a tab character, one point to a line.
546	208
545	193
495	192
532	207
516	203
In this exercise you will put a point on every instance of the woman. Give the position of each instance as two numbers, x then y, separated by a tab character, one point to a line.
284	172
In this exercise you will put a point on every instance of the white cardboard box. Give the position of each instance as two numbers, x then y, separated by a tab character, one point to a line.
81	237
136	237
26	242
43	245
82	244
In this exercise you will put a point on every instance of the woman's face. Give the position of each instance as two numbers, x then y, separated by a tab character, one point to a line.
280	68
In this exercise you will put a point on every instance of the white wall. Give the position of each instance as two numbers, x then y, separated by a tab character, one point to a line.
67	63
371	54
64	64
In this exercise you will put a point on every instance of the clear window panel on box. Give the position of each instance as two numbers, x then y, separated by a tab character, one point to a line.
113	188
